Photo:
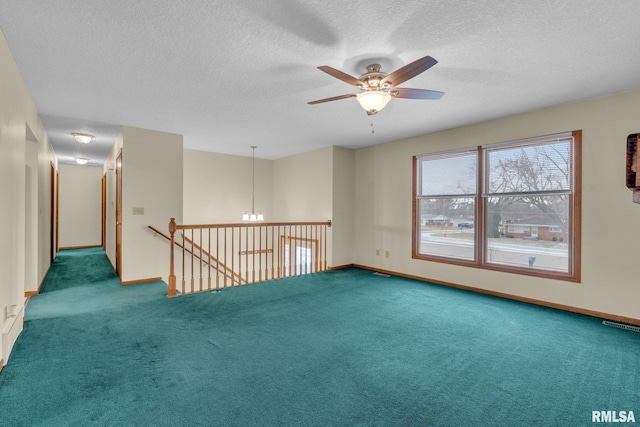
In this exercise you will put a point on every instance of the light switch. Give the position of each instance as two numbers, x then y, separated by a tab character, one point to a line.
138	211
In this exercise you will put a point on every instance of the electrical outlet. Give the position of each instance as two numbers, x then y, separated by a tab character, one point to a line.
10	311
386	254
377	252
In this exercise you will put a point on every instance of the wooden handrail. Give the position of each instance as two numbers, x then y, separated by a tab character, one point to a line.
156	231
328	223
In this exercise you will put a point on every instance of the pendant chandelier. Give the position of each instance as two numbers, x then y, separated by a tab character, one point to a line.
253	216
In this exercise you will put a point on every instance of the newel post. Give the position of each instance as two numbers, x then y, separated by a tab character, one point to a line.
172	276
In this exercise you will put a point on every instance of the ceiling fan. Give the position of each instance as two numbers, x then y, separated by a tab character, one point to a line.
377	87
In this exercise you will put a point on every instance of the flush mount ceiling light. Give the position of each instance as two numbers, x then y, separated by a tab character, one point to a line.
379	87
253	215
82	160
82	138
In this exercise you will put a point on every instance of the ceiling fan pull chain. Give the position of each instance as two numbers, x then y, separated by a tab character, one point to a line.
372	129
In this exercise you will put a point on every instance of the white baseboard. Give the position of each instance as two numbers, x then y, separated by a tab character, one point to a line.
12	329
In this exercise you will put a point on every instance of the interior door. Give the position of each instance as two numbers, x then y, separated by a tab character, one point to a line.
52	215
119	214
57	211
103	221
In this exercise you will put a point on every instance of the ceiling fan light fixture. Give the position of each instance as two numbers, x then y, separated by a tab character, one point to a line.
379	87
373	100
83	138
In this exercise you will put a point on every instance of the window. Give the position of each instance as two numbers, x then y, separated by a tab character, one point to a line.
512	206
515	228
447	191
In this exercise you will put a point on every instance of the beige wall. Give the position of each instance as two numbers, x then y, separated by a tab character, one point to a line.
314	186
303	190
318	186
80	205
152	171
152	175
217	187
343	207
609	237
303	186
24	211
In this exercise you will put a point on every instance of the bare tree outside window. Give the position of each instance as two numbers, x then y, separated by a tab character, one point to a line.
539	175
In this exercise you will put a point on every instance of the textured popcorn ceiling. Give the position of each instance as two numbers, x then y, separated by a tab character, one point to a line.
229	74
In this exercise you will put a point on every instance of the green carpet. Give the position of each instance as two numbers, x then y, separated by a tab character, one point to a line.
339	348
78	267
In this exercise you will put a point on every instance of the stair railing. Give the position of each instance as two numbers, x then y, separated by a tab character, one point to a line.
210	257
196	254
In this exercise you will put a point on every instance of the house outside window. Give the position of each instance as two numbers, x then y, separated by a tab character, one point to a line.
512	206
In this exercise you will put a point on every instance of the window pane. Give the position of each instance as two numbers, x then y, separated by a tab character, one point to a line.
447	227
530	168
451	175
528	231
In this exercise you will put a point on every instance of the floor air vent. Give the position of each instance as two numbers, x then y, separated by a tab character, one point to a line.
381	274
621	326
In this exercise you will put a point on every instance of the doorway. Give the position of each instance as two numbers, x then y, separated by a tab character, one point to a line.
103	233
119	214
298	256
534	232
52	214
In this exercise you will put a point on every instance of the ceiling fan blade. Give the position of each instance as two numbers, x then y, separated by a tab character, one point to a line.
333	98
340	75
403	92
409	71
